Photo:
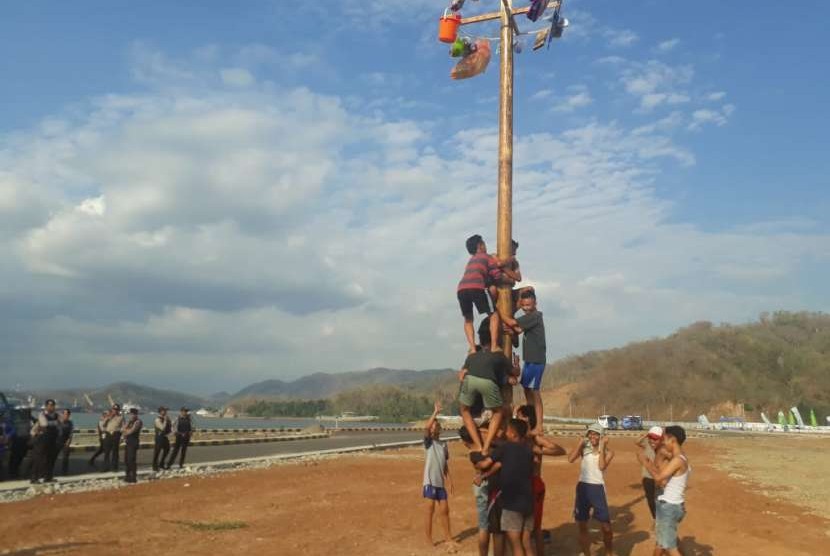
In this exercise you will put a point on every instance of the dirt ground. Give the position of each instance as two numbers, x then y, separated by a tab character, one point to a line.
371	504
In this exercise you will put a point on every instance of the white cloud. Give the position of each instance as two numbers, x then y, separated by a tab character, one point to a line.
621	38
541	94
579	98
716	96
669	45
705	116
223	235
237	77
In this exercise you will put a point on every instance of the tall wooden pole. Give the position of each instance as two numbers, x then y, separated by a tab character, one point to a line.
504	224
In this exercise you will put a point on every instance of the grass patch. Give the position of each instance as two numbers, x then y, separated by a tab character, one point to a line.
209	525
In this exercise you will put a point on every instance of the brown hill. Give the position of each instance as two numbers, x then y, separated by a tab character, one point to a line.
770	365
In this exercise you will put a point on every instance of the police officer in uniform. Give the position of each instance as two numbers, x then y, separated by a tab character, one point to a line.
183	428
67	429
161	445
46	434
102	436
132	437
112	440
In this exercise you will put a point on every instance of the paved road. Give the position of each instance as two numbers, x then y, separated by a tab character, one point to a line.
78	463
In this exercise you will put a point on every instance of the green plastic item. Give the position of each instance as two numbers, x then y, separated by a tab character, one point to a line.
813	420
457	48
791	419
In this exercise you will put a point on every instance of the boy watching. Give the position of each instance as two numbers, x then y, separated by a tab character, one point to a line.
436	472
472	290
534	351
595	458
673	477
652	446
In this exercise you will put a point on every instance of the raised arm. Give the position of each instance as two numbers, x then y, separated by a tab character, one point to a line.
605	454
435	412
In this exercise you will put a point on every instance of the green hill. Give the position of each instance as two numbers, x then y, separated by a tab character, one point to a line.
770	365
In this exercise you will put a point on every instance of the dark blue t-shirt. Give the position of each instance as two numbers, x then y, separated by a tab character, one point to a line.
516	476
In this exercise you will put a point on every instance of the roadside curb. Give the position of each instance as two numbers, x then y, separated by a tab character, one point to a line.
218	442
194	468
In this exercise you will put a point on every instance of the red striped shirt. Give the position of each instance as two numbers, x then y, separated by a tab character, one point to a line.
480	272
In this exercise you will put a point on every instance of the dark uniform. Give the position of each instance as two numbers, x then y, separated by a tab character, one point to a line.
45	447
184	428
132	437
161	445
66	428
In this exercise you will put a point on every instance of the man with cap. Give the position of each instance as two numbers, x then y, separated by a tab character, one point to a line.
673	477
132	437
595	457
652	445
183	428
112	442
45	435
161	441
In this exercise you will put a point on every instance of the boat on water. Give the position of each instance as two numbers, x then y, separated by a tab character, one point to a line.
347	416
207	413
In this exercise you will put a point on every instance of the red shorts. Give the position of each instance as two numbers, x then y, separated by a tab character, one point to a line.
538	501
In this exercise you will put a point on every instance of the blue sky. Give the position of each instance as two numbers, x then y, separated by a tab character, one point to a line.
237	191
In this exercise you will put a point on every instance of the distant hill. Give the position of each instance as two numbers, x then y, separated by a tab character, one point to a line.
324	385
124	392
770	365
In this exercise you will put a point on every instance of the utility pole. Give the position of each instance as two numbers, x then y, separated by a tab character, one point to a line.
504	214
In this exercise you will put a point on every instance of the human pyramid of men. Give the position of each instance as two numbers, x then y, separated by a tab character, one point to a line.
506	448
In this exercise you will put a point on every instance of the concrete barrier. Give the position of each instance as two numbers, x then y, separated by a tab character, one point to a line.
231	464
219	441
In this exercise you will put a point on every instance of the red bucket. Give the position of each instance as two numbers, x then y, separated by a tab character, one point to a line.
448	27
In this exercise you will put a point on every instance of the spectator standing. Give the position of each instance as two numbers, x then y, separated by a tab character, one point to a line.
183	428
45	436
66	429
161	441
132	439
112	440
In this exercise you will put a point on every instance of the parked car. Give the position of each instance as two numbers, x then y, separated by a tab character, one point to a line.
608	422
632	423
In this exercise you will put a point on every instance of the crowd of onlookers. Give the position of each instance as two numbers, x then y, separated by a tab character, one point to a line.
47	438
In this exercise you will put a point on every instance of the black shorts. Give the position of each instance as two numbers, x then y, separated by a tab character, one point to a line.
494	516
479	298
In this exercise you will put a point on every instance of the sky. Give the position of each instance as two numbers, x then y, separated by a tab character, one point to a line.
200	195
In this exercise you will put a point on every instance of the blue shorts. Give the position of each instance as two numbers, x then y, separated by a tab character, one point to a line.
434	493
590	496
532	375
668	516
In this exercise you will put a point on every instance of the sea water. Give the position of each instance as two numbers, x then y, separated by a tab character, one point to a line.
90	420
